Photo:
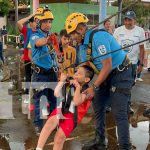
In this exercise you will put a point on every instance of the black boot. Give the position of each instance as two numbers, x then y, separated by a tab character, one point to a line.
97	143
147	113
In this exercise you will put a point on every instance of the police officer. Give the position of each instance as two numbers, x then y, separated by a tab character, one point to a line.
44	67
114	81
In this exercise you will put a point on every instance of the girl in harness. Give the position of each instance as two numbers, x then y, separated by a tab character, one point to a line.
72	108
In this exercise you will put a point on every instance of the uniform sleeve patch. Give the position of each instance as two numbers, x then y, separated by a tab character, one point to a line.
35	37
102	49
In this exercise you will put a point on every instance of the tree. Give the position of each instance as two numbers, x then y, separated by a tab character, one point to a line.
4	7
141	9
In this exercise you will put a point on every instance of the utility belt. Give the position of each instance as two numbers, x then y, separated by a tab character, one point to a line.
124	66
41	70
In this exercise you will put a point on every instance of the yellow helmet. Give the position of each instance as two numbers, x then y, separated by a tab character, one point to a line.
73	20
39	11
43	13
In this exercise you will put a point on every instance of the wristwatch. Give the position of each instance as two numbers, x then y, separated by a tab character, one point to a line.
96	88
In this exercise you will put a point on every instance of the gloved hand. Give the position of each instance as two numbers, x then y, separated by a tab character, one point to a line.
53	39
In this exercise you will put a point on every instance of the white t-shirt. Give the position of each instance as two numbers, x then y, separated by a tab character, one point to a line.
127	37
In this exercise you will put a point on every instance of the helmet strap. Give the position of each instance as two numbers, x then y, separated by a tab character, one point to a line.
46	32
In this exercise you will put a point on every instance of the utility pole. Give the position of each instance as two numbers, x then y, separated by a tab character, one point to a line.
16	11
119	9
35	5
102	11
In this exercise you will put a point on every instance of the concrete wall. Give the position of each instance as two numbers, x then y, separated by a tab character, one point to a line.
62	10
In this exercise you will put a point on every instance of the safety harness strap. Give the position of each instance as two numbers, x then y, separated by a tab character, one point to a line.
89	51
91	36
68	93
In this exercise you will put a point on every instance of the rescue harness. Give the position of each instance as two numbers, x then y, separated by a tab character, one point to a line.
68	94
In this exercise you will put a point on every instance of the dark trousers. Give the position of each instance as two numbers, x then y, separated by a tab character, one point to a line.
48	92
139	73
1	52
119	103
28	74
134	69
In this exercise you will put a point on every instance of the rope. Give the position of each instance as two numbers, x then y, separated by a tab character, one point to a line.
92	59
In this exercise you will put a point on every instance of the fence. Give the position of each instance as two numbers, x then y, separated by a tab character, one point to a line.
10	38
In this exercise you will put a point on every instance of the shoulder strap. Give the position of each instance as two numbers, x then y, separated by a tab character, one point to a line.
92	34
89	51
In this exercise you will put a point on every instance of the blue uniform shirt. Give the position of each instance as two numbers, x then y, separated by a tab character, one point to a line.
81	52
103	43
46	61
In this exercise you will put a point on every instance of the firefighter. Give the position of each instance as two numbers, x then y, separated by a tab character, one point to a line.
44	68
114	81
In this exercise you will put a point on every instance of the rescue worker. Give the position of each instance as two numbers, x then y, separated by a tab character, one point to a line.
114	81
44	68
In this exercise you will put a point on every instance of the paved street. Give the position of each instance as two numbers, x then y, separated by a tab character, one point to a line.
17	132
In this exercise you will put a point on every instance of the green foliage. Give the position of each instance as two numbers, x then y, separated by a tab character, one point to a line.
11	30
23	1
4	7
88	1
141	9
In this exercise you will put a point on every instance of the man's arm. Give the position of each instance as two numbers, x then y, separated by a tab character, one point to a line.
41	42
141	58
105	71
21	22
141	46
141	53
107	67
